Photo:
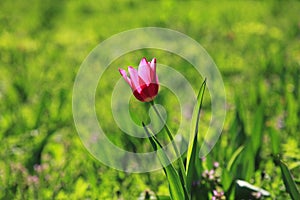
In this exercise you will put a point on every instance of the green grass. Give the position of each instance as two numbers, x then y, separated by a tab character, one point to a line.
42	44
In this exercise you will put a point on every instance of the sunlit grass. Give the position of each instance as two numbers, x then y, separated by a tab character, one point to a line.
42	44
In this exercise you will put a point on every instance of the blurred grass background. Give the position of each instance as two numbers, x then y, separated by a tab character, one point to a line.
42	44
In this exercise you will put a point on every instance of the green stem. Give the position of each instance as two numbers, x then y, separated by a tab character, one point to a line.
181	165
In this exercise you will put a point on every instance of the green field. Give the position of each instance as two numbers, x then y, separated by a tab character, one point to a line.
256	46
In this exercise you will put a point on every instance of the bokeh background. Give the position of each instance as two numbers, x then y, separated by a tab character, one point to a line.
256	46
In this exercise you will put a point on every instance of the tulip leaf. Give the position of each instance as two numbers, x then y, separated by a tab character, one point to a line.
193	149
289	181
175	186
181	170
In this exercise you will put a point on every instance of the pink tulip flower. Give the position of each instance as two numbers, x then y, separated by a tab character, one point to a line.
144	81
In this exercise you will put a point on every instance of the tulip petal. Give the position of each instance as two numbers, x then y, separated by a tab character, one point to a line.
144	81
139	96
154	78
124	74
134	78
153	64
144	72
143	61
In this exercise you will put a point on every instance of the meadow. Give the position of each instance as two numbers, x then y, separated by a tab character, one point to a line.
256	46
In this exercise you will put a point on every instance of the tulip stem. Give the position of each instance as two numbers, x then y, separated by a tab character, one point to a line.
181	166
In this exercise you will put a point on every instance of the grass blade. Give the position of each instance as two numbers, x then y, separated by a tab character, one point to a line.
234	157
160	197
257	128
175	186
193	149
275	140
289	181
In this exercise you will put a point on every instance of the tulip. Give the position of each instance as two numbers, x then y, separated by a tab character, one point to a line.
144	81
